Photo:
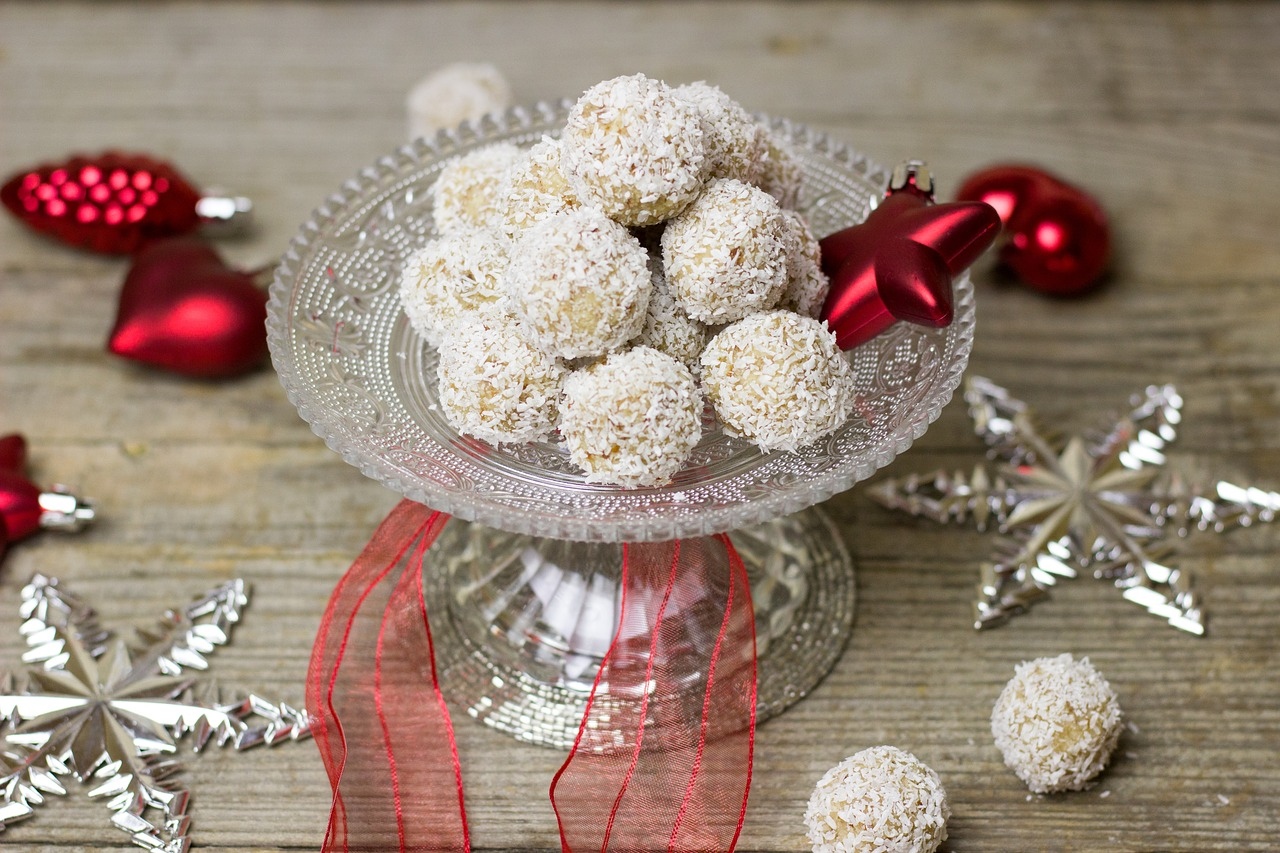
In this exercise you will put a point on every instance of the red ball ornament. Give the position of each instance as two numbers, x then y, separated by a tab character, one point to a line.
1057	239
183	310
24	507
113	203
899	264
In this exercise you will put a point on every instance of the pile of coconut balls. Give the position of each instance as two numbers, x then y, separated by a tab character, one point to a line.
602	282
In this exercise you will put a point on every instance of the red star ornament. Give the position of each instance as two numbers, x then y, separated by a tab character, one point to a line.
900	262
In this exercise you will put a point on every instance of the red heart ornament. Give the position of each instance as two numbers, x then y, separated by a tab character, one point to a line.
183	310
24	508
1058	240
899	264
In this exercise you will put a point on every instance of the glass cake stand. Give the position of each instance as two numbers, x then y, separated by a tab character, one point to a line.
530	566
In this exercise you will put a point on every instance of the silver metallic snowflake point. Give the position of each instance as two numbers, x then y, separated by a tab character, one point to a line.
1095	503
89	706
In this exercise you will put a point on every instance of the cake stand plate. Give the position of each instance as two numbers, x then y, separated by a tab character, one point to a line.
516	652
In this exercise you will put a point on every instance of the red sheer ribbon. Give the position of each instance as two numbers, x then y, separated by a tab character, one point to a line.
662	760
382	726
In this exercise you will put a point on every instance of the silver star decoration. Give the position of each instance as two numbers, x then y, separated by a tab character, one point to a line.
108	714
1095	502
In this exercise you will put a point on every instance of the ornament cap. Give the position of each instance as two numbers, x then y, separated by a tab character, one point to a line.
65	512
223	214
912	176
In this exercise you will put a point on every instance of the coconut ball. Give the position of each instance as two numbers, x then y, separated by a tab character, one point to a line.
470	189
668	329
634	150
1056	723
735	143
580	282
448	96
778	379
882	800
725	257
807	284
450	277
781	172
535	189
631	419
494	384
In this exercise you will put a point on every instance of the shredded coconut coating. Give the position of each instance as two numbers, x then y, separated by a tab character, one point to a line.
668	329
580	282
781	172
535	189
494	384
632	419
882	800
1056	723
725	256
735	143
452	94
469	190
807	284
450	277
778	379
634	150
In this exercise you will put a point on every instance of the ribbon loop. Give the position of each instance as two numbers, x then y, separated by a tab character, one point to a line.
662	760
382	726
663	757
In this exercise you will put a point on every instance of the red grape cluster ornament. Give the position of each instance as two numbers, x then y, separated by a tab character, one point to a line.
899	264
183	310
25	508
114	203
1057	239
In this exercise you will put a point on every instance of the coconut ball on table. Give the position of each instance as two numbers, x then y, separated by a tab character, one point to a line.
462	91
451	277
634	150
725	256
778	380
494	383
631	419
580	282
470	190
1056	723
881	800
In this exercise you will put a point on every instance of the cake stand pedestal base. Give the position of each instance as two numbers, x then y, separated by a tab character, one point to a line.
529	619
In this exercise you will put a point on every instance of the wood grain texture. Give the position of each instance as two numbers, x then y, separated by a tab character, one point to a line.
1167	111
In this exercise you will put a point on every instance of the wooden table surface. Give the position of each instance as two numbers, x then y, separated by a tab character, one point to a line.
1168	112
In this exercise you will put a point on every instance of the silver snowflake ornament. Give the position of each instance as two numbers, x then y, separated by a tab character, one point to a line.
89	706
1095	503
